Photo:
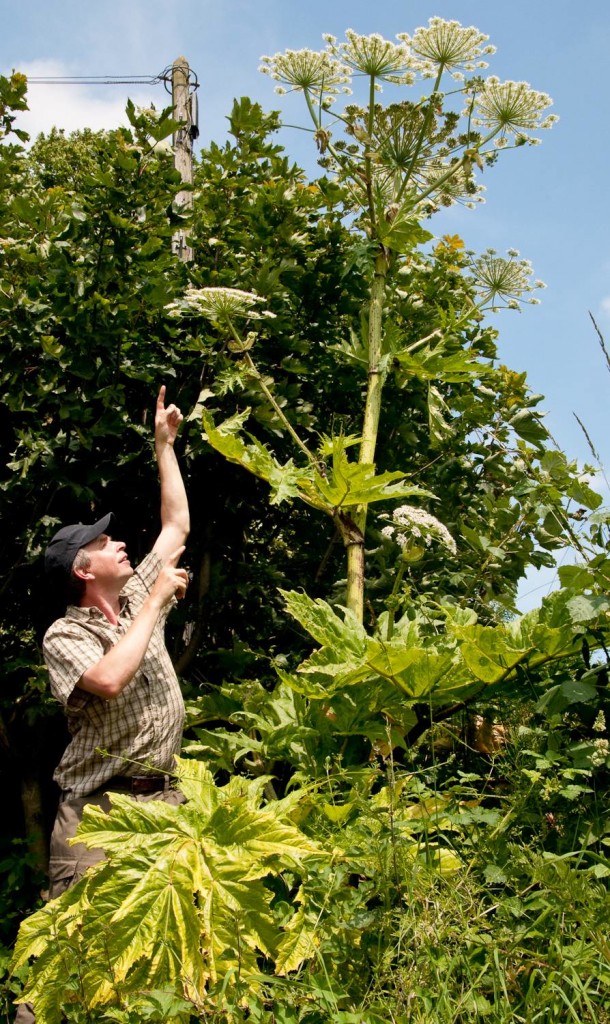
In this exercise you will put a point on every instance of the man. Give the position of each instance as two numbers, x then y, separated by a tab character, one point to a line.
108	664
109	667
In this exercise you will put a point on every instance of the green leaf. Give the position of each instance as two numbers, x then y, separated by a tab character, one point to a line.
150	913
130	826
401	233
50	346
529	426
580	491
438	417
345	636
584	608
352	483
182	898
576	691
286	481
429	363
298	944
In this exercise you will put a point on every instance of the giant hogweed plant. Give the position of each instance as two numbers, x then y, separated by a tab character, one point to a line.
395	165
398	164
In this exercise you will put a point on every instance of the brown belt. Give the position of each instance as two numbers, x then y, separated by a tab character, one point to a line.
137	783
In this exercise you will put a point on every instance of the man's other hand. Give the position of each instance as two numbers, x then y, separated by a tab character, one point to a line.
171	581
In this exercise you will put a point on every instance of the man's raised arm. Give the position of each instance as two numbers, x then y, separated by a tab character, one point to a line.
175	522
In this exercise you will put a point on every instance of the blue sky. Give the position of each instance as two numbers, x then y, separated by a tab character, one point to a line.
550	202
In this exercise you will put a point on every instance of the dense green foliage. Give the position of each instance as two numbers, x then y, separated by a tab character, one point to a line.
409	822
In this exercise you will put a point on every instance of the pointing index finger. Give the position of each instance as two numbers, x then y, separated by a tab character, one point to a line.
161	397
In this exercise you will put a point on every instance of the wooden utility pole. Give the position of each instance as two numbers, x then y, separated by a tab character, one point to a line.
183	149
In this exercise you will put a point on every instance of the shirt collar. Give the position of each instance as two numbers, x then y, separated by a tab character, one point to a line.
74	611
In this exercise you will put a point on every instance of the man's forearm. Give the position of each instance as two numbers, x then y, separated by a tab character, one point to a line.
111	674
174	503
175	522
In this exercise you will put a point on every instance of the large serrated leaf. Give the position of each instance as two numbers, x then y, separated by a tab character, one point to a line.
429	364
284	480
183	898
352	483
299	944
324	625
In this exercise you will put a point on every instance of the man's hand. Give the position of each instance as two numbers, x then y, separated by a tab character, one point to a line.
171	581
167	420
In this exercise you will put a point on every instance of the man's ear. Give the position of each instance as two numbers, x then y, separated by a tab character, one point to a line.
83	574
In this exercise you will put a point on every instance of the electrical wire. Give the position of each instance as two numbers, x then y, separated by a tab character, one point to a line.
164	76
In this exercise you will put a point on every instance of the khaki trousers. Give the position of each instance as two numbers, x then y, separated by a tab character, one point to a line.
67	864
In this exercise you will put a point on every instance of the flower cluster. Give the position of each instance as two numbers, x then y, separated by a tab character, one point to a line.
445	183
414	530
505	110
448	46
442	46
498	279
600	753
219	304
424	146
599	724
512	108
373	55
306	71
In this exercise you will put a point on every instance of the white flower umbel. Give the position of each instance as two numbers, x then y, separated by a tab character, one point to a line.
448	46
219	304
512	108
414	530
305	70
457	187
501	280
375	56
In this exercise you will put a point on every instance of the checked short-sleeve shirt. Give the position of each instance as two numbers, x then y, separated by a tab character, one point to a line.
143	724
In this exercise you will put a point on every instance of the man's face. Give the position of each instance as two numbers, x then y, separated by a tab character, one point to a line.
108	560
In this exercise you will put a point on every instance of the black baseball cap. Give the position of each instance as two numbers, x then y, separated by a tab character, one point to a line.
61	552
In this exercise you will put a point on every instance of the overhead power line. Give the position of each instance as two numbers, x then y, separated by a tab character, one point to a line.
164	76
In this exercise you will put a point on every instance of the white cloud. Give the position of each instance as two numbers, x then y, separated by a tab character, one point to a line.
79	106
